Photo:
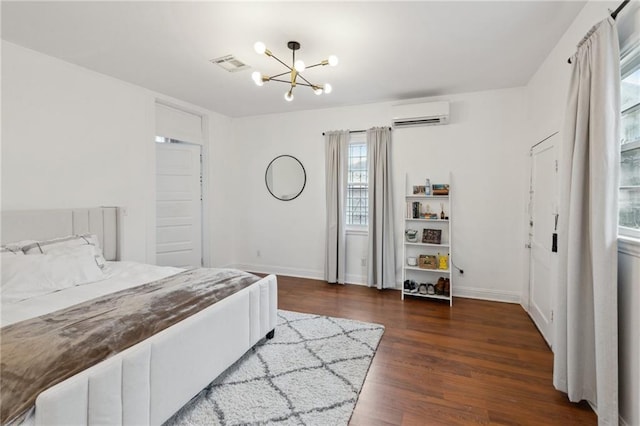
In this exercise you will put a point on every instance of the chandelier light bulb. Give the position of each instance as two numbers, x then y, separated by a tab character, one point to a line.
259	47
299	65
257	78
327	88
288	96
333	60
317	90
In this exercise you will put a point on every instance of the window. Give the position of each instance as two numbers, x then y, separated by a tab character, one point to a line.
629	204
357	181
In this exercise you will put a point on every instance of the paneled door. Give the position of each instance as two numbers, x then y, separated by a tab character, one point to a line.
178	205
542	223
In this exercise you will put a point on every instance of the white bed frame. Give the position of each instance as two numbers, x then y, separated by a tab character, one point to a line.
149	382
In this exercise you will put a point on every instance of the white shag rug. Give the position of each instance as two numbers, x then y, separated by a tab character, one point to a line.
310	373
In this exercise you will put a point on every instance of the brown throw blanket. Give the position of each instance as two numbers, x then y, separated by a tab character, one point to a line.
40	352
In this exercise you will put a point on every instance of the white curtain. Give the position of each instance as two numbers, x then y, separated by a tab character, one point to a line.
336	157
586	330
381	265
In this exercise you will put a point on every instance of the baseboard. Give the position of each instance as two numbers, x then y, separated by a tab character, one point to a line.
356	279
280	270
621	420
294	272
486	294
629	246
466	292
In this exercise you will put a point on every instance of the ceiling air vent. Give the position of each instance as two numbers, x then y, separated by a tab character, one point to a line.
230	63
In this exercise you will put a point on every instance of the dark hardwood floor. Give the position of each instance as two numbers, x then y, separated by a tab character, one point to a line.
475	363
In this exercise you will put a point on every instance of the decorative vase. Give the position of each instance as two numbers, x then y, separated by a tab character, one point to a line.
411	235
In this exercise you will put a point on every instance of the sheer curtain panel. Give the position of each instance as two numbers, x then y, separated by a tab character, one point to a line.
336	154
381	265
586	346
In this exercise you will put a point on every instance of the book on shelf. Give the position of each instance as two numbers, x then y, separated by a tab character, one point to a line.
417	207
440	189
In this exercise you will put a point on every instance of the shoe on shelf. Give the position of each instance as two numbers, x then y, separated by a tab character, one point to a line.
447	287
431	289
410	286
423	288
439	287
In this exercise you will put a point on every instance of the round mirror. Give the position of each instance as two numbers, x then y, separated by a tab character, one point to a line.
285	177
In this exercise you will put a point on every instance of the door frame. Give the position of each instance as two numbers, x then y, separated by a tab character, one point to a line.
553	266
206	175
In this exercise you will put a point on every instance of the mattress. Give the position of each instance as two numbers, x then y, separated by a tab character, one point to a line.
120	276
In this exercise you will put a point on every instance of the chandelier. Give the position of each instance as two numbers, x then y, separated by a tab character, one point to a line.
294	71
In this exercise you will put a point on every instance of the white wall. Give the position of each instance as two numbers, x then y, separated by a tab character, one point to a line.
628	334
71	138
223	196
546	95
75	138
481	147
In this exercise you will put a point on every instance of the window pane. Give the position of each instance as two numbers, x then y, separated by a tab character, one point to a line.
357	185
630	167
630	90
630	126
630	208
357	204
629	203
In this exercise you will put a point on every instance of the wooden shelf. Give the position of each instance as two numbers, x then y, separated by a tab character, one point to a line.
426	220
428	296
440	271
426	244
427	197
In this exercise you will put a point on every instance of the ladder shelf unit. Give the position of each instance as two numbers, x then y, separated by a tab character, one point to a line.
432	241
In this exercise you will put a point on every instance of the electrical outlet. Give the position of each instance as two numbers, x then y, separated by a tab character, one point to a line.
258	254
363	261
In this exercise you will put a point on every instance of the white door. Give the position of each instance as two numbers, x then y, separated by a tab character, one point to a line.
178	205
542	223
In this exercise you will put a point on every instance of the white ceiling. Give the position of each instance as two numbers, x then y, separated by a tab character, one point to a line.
387	50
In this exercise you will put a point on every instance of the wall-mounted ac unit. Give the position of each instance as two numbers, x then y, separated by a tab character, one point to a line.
427	114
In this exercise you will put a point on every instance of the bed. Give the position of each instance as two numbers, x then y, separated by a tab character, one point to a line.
148	382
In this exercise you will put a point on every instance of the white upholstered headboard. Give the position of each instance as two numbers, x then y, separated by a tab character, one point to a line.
21	225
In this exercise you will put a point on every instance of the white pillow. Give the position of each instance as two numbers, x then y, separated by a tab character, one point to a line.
24	277
10	251
16	246
64	244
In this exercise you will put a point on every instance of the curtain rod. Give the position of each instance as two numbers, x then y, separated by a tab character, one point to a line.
357	131
614	15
